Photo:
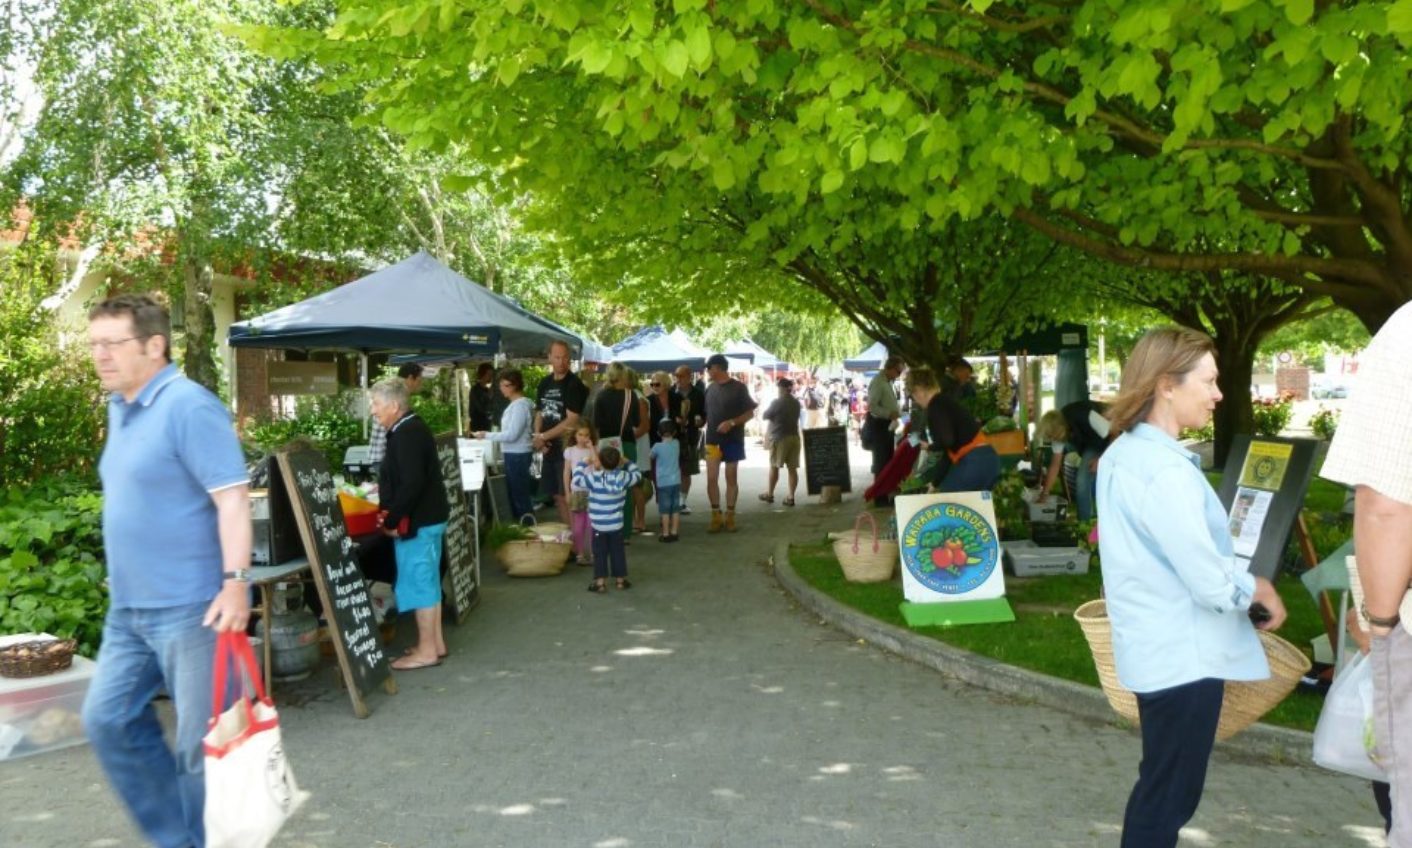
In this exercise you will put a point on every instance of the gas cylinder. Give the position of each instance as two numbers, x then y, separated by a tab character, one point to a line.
294	634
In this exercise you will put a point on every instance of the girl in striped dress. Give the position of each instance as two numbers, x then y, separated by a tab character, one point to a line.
608	477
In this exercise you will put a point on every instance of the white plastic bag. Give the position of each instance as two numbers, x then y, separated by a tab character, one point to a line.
249	788
1344	732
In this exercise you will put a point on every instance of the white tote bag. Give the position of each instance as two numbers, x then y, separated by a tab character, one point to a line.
1343	735
250	790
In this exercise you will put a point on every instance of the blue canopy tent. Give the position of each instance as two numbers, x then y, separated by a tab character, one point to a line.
418	305
655	349
871	359
746	349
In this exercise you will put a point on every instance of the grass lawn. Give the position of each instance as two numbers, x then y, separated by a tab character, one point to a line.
1045	637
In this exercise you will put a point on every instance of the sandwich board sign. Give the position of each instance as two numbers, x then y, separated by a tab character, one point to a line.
950	550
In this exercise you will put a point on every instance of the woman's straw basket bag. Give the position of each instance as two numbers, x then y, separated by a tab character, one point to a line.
866	561
1245	701
534	557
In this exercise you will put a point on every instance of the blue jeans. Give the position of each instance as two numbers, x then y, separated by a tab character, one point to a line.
1085	484
977	471
1178	731
144	650
520	483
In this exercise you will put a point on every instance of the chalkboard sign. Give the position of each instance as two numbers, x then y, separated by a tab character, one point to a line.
333	558
826	459
458	545
499	488
1263	488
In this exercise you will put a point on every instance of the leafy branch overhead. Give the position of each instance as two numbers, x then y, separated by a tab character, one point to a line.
1160	134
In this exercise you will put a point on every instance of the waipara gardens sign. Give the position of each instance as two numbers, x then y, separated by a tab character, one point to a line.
950	554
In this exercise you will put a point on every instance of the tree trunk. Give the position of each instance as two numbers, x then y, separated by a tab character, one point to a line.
199	361
1235	413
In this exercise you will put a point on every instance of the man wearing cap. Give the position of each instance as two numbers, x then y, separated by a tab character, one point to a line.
728	408
783	420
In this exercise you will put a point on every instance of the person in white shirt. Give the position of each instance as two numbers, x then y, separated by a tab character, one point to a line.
883	412
1372	451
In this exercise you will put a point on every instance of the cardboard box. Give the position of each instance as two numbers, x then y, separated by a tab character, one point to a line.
1053	509
39	714
1026	559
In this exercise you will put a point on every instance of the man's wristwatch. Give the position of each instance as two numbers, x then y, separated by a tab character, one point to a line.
241	575
1389	622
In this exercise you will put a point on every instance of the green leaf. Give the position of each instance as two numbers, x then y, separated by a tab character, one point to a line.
675	58
1399	18
508	71
1299	11
698	46
858	154
831	182
723	174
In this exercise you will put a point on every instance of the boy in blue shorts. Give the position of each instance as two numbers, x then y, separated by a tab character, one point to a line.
666	462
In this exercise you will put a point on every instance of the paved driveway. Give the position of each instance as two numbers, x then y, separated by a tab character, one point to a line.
699	708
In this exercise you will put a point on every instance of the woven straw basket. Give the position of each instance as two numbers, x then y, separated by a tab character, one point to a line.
866	561
534	557
1245	701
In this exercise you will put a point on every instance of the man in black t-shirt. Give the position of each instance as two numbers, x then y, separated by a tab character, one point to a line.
559	402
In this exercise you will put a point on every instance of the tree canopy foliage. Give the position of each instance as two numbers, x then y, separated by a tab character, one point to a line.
1260	137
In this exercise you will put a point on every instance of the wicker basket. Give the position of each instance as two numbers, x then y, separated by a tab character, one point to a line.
866	561
36	657
534	557
1245	701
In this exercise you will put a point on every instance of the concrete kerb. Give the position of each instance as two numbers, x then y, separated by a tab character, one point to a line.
1260	741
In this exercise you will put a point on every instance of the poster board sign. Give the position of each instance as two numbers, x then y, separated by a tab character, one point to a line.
333	558
951	560
826	459
472	465
1263	489
458	545
500	499
302	378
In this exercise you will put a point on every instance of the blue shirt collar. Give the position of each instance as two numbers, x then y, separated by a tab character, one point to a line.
1158	436
149	392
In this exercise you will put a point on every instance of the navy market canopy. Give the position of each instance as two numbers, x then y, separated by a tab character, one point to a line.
417	305
871	359
655	349
748	350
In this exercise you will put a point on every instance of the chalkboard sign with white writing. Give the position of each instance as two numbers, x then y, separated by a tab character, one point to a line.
334	560
458	545
826	459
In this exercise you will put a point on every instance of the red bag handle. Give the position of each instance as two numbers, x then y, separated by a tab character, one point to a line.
872	521
234	647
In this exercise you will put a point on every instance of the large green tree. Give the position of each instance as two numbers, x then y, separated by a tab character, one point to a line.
1150	133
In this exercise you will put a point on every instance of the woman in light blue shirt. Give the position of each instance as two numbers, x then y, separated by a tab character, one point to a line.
1179	602
516	441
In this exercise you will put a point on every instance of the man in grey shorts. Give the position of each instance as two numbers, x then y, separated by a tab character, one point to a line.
783	435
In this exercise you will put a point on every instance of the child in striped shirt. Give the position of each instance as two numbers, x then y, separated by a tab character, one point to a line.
608	477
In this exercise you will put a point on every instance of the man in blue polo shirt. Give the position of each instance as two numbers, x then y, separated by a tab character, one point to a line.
176	534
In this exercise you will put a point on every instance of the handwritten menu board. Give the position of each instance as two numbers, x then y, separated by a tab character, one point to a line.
333	558
826	459
458	545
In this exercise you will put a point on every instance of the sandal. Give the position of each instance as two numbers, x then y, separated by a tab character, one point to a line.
767	498
789	501
623	583
597	588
